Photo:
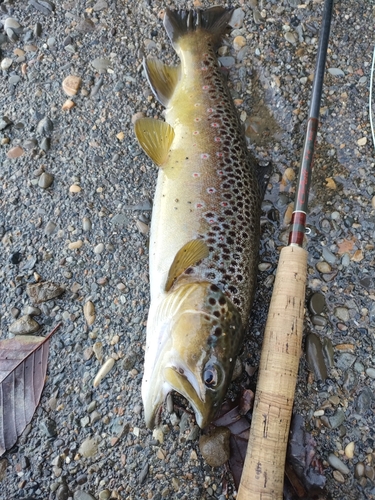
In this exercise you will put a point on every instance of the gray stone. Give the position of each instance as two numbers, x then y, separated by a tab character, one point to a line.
364	401
45	144
337	464
6	63
30	144
89	447
101	63
45	180
329	256
350	382
31	311
12	23
342	313
119	220
237	18
46	290
62	492
48	427
227	61
13	80
345	361
25	325
337	419
45	127
315	358
46	7
215	446
82	495
336	72
4	122
37	29
86	224
50	227
99	248
100	5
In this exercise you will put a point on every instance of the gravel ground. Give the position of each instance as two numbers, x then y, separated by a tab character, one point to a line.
75	207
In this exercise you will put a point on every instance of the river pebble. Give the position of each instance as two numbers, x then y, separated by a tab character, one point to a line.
89	312
342	313
337	464
215	447
99	248
323	267
41	292
314	356
15	152
24	326
349	449
101	63
45	180
6	63
71	84
316	303
337	419
364	400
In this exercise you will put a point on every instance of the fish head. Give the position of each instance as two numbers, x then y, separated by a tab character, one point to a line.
203	332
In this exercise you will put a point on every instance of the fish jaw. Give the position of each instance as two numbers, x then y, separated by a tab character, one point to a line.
203	409
201	334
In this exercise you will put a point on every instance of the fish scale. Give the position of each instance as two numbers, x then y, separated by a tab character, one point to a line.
205	226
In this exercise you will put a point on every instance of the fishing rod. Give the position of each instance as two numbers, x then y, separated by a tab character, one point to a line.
263	473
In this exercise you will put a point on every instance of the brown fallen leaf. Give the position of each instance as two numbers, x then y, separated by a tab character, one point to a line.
358	256
23	366
330	183
346	246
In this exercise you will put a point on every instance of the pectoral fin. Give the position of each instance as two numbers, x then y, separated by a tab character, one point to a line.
162	78
155	138
191	253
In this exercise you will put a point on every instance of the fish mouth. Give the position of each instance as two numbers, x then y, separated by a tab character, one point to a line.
175	381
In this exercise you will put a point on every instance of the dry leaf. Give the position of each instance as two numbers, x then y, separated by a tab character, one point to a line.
330	183
358	256
346	246
23	366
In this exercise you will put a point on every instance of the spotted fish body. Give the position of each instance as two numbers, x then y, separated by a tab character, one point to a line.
205	226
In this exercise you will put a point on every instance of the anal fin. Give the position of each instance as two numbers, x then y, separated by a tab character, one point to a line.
162	79
191	253
155	138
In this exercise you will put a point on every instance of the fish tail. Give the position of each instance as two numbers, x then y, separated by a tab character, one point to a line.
214	20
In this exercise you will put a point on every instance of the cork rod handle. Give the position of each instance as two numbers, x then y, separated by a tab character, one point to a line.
263	473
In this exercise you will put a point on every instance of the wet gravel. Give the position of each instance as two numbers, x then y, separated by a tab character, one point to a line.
75	209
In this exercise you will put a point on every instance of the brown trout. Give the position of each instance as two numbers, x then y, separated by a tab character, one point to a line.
205	227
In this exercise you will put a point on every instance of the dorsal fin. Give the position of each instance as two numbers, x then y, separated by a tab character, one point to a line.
162	79
191	253
155	138
214	20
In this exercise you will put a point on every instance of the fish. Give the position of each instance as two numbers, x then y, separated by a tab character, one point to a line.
205	227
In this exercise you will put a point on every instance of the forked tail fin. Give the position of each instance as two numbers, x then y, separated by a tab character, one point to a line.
214	20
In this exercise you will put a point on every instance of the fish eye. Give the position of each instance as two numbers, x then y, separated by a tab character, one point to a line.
210	376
